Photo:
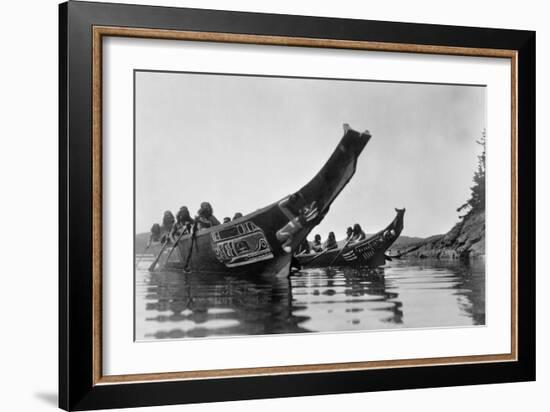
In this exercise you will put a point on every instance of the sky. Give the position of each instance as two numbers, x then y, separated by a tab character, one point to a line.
243	142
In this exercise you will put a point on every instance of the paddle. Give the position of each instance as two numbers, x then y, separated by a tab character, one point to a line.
341	250
193	236
152	267
316	257
175	244
399	255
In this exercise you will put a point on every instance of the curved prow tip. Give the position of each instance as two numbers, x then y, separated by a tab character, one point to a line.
399	216
366	135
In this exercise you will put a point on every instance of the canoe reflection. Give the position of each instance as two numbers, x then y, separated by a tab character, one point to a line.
199	305
347	299
405	294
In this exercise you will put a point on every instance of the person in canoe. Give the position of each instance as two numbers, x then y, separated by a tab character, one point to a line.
330	243
317	244
155	235
184	223
358	234
205	217
168	221
349	233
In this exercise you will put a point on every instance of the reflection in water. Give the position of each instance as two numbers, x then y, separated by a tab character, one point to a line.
405	294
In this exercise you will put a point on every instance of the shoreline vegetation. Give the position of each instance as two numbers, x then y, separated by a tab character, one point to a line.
466	239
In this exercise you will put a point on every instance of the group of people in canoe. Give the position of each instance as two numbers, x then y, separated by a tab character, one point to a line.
173	227
354	234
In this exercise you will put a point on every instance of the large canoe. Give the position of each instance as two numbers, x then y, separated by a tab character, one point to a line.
253	244
370	252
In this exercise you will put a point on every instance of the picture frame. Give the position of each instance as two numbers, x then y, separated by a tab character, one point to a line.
83	27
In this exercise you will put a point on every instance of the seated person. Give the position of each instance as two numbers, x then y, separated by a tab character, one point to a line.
330	243
358	234
349	233
226	219
237	215
317	245
205	217
154	237
184	223
168	221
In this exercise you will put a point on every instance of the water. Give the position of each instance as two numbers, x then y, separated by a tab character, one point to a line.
405	294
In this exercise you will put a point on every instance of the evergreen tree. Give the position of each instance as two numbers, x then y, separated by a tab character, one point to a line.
476	203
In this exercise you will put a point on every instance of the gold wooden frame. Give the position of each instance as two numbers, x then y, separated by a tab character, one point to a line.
101	31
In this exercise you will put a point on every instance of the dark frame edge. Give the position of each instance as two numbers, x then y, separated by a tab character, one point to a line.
75	214
526	224
75	359
63	378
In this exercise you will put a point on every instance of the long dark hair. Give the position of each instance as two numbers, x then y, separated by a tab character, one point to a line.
183	214
205	210
168	219
155	229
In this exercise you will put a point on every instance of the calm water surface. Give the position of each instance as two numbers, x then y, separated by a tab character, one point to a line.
405	294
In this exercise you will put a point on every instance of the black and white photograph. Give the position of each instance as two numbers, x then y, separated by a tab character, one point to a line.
283	205
273	206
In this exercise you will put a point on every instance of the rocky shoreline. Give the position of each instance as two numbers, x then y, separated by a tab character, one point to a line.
466	240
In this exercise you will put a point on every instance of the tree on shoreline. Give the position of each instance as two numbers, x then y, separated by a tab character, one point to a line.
476	203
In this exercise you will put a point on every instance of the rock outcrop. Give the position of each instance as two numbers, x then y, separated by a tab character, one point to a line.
465	240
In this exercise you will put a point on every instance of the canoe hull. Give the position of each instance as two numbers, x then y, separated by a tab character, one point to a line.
368	253
266	239
237	247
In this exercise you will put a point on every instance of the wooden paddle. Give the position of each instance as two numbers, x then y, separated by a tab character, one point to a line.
341	250
316	257
412	249
176	243
154	264
193	236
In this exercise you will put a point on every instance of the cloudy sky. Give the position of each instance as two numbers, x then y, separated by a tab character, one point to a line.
242	142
